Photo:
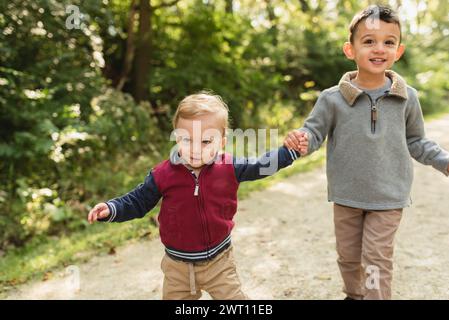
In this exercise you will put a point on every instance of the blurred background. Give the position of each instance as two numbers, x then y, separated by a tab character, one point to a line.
88	89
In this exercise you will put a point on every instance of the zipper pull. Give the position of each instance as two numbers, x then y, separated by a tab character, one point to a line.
373	118
197	189
197	185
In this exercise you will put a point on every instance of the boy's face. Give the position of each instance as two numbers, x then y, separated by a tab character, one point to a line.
200	139
376	46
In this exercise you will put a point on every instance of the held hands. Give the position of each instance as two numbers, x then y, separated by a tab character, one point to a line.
100	211
297	140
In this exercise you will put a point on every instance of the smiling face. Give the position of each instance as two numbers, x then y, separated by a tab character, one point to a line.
199	139
375	47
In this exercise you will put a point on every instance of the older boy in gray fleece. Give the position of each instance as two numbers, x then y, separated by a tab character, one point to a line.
368	162
374	123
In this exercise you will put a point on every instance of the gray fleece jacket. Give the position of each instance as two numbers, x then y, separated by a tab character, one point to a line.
370	143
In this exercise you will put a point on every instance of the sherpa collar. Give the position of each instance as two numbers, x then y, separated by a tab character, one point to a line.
351	92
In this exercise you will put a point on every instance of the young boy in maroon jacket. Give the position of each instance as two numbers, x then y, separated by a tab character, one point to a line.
198	186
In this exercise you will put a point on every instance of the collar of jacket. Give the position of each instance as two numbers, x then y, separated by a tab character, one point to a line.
351	92
175	158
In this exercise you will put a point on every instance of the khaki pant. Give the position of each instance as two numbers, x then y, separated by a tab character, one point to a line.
365	241
218	277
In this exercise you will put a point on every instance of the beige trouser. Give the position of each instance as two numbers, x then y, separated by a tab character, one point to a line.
218	277
365	241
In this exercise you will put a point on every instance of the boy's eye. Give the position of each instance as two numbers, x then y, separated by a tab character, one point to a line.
368	41
390	43
206	141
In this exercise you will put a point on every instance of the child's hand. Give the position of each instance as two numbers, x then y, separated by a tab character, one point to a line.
297	140
100	211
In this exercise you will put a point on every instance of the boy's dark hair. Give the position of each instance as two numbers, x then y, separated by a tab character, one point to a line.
383	13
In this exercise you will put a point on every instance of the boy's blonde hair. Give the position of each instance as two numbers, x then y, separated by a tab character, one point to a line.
201	103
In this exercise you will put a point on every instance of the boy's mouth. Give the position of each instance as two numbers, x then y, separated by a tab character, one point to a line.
377	61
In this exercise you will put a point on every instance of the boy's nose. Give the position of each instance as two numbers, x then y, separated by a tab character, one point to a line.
196	149
379	48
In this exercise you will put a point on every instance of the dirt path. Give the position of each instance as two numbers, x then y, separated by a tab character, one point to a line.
285	246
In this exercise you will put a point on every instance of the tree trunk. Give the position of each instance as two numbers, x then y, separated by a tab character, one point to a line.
304	5
273	20
229	6
130	47
142	61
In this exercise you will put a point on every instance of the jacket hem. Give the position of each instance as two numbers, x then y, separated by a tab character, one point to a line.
200	255
370	206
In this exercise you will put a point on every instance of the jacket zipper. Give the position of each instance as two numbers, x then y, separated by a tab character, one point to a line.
196	193
374	110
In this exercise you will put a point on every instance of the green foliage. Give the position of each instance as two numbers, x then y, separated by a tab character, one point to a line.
57	118
425	66
204	48
46	81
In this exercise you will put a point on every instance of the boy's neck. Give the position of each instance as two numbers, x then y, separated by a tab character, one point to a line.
195	170
369	81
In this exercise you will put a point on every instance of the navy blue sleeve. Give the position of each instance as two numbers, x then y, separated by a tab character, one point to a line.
134	204
248	169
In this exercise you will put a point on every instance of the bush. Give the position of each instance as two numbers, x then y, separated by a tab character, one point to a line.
48	202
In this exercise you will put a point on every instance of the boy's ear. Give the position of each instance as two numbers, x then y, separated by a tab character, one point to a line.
348	49
400	52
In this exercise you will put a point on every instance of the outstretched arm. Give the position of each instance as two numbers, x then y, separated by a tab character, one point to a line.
248	169
134	204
